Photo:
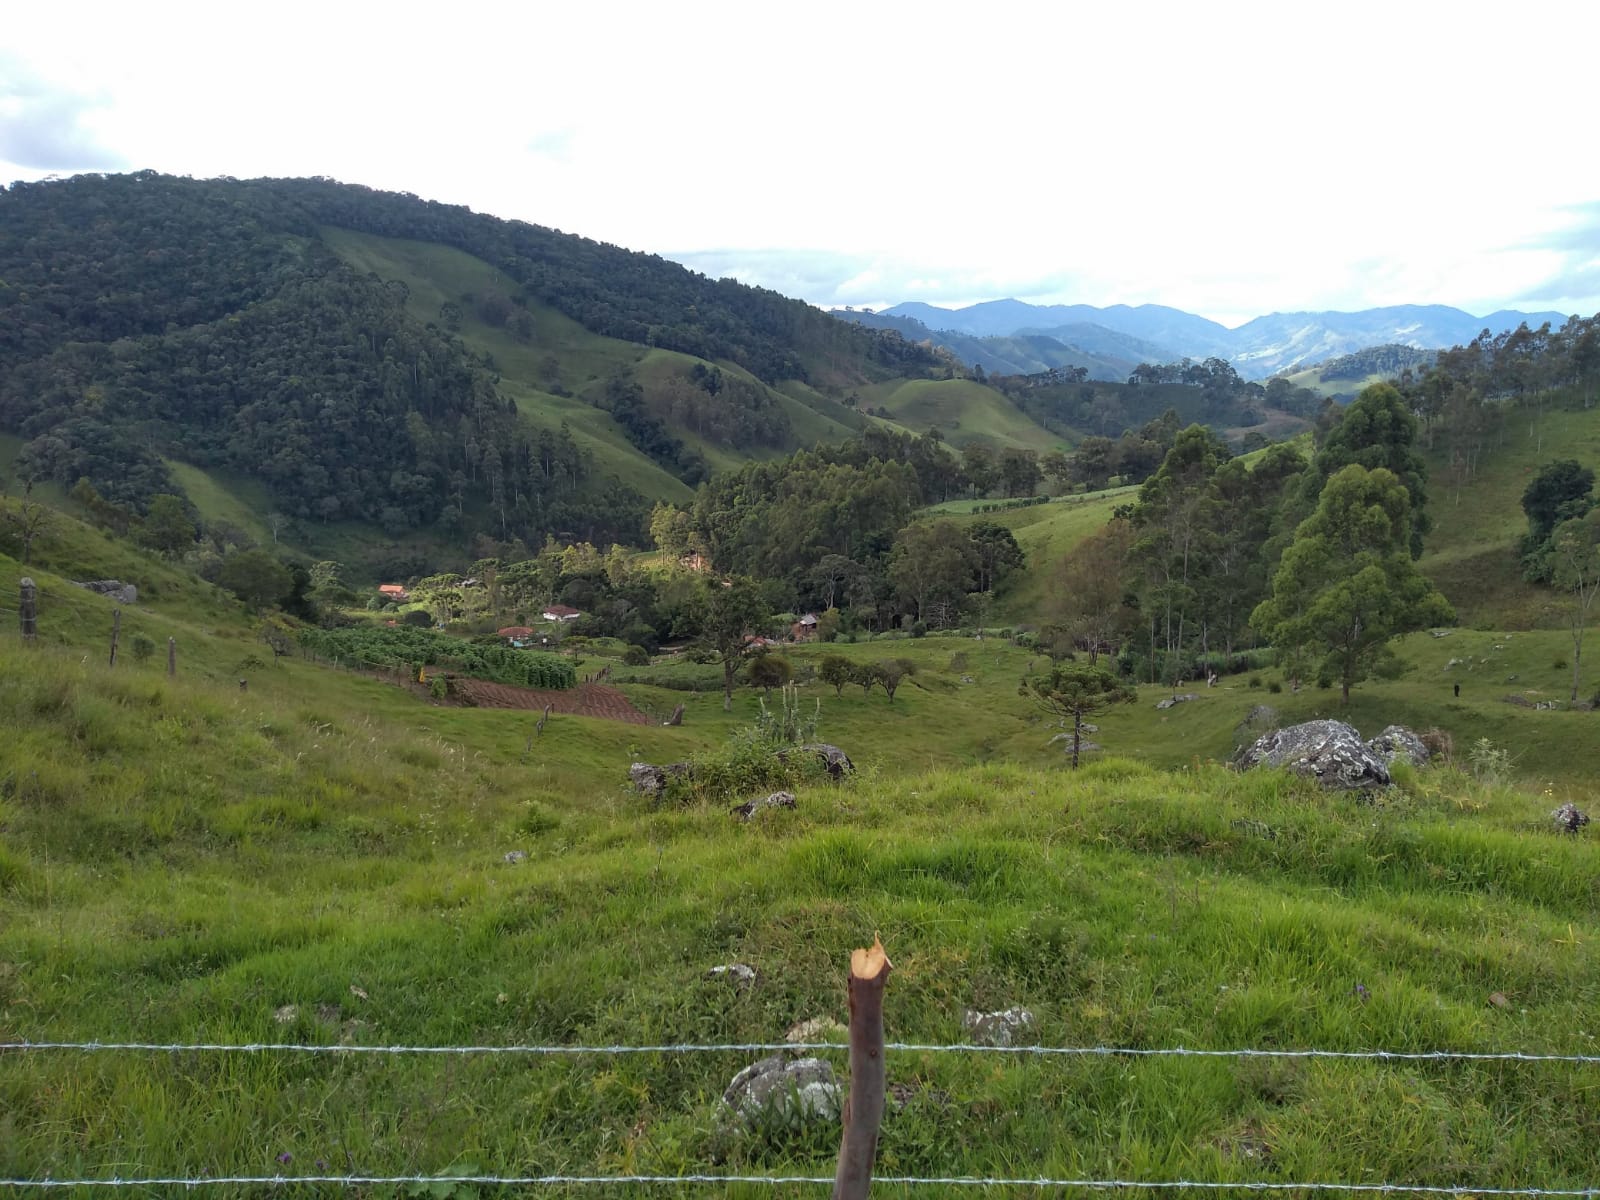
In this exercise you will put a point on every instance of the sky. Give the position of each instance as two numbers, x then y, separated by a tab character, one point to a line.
1229	159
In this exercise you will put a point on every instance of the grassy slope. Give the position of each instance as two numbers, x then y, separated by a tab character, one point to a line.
1472	551
1046	533
965	411
182	861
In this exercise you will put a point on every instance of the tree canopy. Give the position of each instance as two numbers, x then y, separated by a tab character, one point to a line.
1347	585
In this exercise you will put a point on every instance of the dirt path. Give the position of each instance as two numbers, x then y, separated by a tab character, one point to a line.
585	700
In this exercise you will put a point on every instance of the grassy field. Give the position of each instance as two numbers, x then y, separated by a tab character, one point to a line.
323	859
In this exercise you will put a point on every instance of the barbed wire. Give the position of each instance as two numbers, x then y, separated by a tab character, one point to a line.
818	1180
811	1047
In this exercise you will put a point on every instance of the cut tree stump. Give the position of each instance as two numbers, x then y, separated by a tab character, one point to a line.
863	1112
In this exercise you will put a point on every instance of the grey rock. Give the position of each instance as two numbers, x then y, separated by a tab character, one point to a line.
742	974
650	780
515	856
122	593
796	1090
1330	752
996	1028
1084	744
1397	741
1439	633
834	759
1171	700
776	800
1569	818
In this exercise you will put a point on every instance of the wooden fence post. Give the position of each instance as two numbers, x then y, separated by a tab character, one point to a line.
172	658
29	610
863	1112
116	632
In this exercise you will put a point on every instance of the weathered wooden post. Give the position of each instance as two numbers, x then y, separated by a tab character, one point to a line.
172	658
116	632
29	608
863	1111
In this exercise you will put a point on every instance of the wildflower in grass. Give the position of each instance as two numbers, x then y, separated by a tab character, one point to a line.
285	1157
1360	992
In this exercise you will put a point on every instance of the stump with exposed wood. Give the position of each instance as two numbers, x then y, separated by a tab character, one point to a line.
863	1113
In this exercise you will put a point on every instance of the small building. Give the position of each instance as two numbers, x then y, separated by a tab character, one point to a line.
560	612
517	635
804	629
394	591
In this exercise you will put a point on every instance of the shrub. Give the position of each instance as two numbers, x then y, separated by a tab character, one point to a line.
1558	664
1275	687
1439	743
141	647
417	619
1255	681
636	656
438	688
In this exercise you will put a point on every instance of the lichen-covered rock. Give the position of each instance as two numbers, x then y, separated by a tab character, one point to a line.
795	1090
741	974
1569	818
776	800
650	780
115	589
1171	700
1330	752
836	761
1399	742
996	1028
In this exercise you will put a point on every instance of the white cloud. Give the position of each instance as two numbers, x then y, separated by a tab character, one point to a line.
1229	160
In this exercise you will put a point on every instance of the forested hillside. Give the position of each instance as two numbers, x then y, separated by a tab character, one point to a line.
147	319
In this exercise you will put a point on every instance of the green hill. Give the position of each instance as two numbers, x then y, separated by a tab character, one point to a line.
369	359
964	410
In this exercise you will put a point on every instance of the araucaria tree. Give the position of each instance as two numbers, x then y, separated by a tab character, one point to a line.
1073	691
1347	584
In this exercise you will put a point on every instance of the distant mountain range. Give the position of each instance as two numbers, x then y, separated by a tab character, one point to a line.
1109	341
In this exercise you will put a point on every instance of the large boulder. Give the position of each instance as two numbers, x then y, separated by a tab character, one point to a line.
793	1089
1399	742
122	593
1330	752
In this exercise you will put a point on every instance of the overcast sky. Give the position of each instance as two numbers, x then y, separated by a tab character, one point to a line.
1228	159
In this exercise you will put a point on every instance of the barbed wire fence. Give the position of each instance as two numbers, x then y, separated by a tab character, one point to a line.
1039	1183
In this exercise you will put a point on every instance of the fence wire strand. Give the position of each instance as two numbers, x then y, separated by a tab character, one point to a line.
817	1180
811	1047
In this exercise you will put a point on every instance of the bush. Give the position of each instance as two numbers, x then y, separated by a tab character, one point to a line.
746	766
142	647
1255	681
1439	743
636	656
417	619
1275	687
438	688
